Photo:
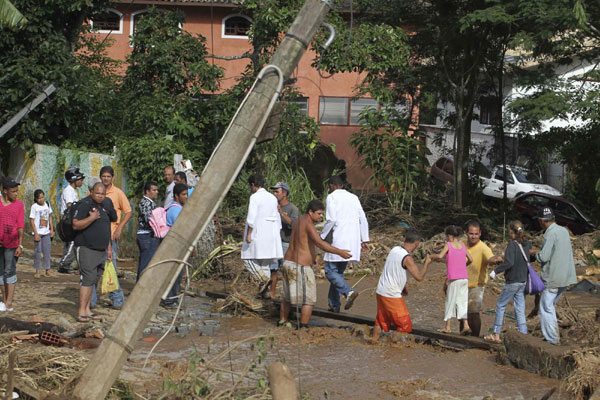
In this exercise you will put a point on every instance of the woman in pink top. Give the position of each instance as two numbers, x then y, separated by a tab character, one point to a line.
456	286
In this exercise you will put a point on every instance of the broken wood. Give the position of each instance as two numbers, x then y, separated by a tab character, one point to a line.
282	383
9	324
10	385
13	334
469	341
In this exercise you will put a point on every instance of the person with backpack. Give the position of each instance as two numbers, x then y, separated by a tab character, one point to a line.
147	241
180	194
91	223
69	196
43	232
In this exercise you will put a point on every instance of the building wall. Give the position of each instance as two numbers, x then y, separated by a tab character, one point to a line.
309	81
41	171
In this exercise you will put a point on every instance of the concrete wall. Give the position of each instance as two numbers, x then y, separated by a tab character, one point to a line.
41	171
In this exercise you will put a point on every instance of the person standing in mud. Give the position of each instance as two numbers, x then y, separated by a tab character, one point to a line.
558	271
299	286
482	257
289	214
12	225
391	309
348	227
262	241
91	223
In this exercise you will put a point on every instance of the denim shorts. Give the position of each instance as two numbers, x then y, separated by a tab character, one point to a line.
8	266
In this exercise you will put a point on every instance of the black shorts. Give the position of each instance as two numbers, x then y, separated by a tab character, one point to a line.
91	265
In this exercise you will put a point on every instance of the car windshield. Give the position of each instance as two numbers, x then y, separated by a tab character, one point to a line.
526	176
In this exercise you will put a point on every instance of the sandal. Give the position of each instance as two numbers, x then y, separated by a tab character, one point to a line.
37	275
83	319
491	338
443	330
466	332
94	317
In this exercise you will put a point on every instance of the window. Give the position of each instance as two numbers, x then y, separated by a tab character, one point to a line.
358	106
236	26
302	103
109	21
500	176
536	201
342	111
135	18
488	111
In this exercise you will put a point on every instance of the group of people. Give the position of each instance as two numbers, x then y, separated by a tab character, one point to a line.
279	243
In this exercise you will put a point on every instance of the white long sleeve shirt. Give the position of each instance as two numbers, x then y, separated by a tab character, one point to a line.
265	221
349	223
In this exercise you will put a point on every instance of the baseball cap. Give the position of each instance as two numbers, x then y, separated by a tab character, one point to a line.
545	213
9	183
281	185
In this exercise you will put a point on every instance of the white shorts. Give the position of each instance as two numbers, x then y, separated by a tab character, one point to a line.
457	299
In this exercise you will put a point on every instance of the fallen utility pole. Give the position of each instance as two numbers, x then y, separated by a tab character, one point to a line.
25	110
219	174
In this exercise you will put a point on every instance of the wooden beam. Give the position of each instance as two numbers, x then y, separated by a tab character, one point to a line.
469	341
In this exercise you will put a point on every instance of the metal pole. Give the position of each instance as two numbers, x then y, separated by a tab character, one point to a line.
219	174
25	110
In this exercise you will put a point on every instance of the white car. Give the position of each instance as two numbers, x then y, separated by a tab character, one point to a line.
518	181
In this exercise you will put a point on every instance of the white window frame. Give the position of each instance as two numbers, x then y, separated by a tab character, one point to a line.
120	31
224	36
299	104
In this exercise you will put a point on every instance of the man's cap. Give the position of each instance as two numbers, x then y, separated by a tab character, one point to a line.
545	213
9	183
281	185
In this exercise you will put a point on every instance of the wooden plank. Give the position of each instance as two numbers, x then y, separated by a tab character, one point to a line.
469	341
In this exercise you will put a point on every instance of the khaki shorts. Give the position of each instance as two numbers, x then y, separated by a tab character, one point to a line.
299	286
476	299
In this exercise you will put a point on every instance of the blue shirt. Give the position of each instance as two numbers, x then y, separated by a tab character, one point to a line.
173	212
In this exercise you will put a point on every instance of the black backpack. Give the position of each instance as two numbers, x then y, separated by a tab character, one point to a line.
65	225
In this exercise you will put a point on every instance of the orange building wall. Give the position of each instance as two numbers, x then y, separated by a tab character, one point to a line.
310	83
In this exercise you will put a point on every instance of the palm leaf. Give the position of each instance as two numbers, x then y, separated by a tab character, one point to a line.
10	17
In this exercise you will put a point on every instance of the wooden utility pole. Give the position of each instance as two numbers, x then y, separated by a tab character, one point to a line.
219	174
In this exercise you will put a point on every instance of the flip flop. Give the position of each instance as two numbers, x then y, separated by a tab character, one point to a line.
466	332
83	319
94	317
491	339
443	331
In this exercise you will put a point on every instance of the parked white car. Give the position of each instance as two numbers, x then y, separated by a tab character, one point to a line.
518	181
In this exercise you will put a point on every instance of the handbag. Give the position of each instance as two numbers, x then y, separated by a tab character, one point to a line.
534	283
110	281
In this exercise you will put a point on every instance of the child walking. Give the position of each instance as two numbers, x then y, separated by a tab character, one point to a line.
516	259
43	231
456	286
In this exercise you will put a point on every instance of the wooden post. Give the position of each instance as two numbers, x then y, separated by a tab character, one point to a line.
219	174
281	381
10	384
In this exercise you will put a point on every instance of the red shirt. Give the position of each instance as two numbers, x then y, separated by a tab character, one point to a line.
12	217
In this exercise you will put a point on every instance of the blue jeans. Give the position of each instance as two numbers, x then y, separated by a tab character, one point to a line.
147	244
516	293
117	297
172	296
277	264
548	314
334	271
8	266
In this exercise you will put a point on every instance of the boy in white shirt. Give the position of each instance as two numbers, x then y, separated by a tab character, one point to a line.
69	196
43	231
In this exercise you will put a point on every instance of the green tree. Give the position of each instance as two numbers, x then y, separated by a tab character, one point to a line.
10	16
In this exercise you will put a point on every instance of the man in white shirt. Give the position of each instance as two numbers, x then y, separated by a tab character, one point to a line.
69	196
348	227
391	309
262	240
169	174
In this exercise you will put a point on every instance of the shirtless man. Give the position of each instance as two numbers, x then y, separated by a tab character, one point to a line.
299	285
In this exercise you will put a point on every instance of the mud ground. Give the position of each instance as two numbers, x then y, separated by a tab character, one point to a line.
328	361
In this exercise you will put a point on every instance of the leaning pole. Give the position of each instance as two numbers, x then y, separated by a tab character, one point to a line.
218	176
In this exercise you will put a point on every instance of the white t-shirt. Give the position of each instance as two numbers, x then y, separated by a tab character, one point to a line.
41	216
393	278
69	195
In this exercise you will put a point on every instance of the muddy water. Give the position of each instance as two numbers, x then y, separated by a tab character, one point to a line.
331	363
